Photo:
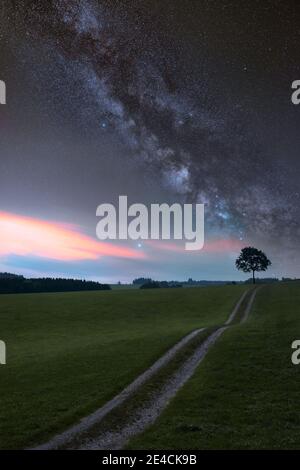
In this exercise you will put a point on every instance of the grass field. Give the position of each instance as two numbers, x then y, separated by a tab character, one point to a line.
67	354
246	392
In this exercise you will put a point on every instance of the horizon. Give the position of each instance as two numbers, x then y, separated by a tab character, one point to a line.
116	120
149	229
186	281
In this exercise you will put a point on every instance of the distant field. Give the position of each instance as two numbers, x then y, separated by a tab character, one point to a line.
246	392
67	354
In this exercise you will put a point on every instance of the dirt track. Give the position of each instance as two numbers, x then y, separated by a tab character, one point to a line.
78	436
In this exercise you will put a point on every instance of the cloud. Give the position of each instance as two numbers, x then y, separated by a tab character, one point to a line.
26	236
223	246
213	246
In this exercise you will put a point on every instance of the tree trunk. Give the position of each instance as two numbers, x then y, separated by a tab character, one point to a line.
253	277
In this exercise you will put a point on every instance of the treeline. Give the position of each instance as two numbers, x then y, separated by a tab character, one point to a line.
156	284
13	284
263	280
148	283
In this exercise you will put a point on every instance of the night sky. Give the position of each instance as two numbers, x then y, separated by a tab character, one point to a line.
164	101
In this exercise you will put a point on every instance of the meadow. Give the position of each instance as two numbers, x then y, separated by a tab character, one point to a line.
245	395
69	353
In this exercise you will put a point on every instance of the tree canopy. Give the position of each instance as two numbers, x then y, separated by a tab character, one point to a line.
252	260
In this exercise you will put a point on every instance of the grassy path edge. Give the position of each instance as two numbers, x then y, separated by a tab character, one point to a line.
117	439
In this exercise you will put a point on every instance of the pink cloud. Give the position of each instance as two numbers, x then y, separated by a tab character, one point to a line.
226	245
28	236
166	245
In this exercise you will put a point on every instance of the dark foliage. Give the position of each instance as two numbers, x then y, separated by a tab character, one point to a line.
252	259
141	280
12	284
263	280
157	284
150	285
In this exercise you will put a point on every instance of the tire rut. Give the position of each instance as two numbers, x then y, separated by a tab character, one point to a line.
77	437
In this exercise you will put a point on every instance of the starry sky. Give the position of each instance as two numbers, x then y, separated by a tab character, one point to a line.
173	101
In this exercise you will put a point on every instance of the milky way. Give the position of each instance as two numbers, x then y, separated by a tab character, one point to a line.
172	112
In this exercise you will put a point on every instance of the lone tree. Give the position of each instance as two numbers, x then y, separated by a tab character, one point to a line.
251	259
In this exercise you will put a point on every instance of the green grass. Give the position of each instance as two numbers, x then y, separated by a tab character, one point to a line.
125	413
245	394
67	354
